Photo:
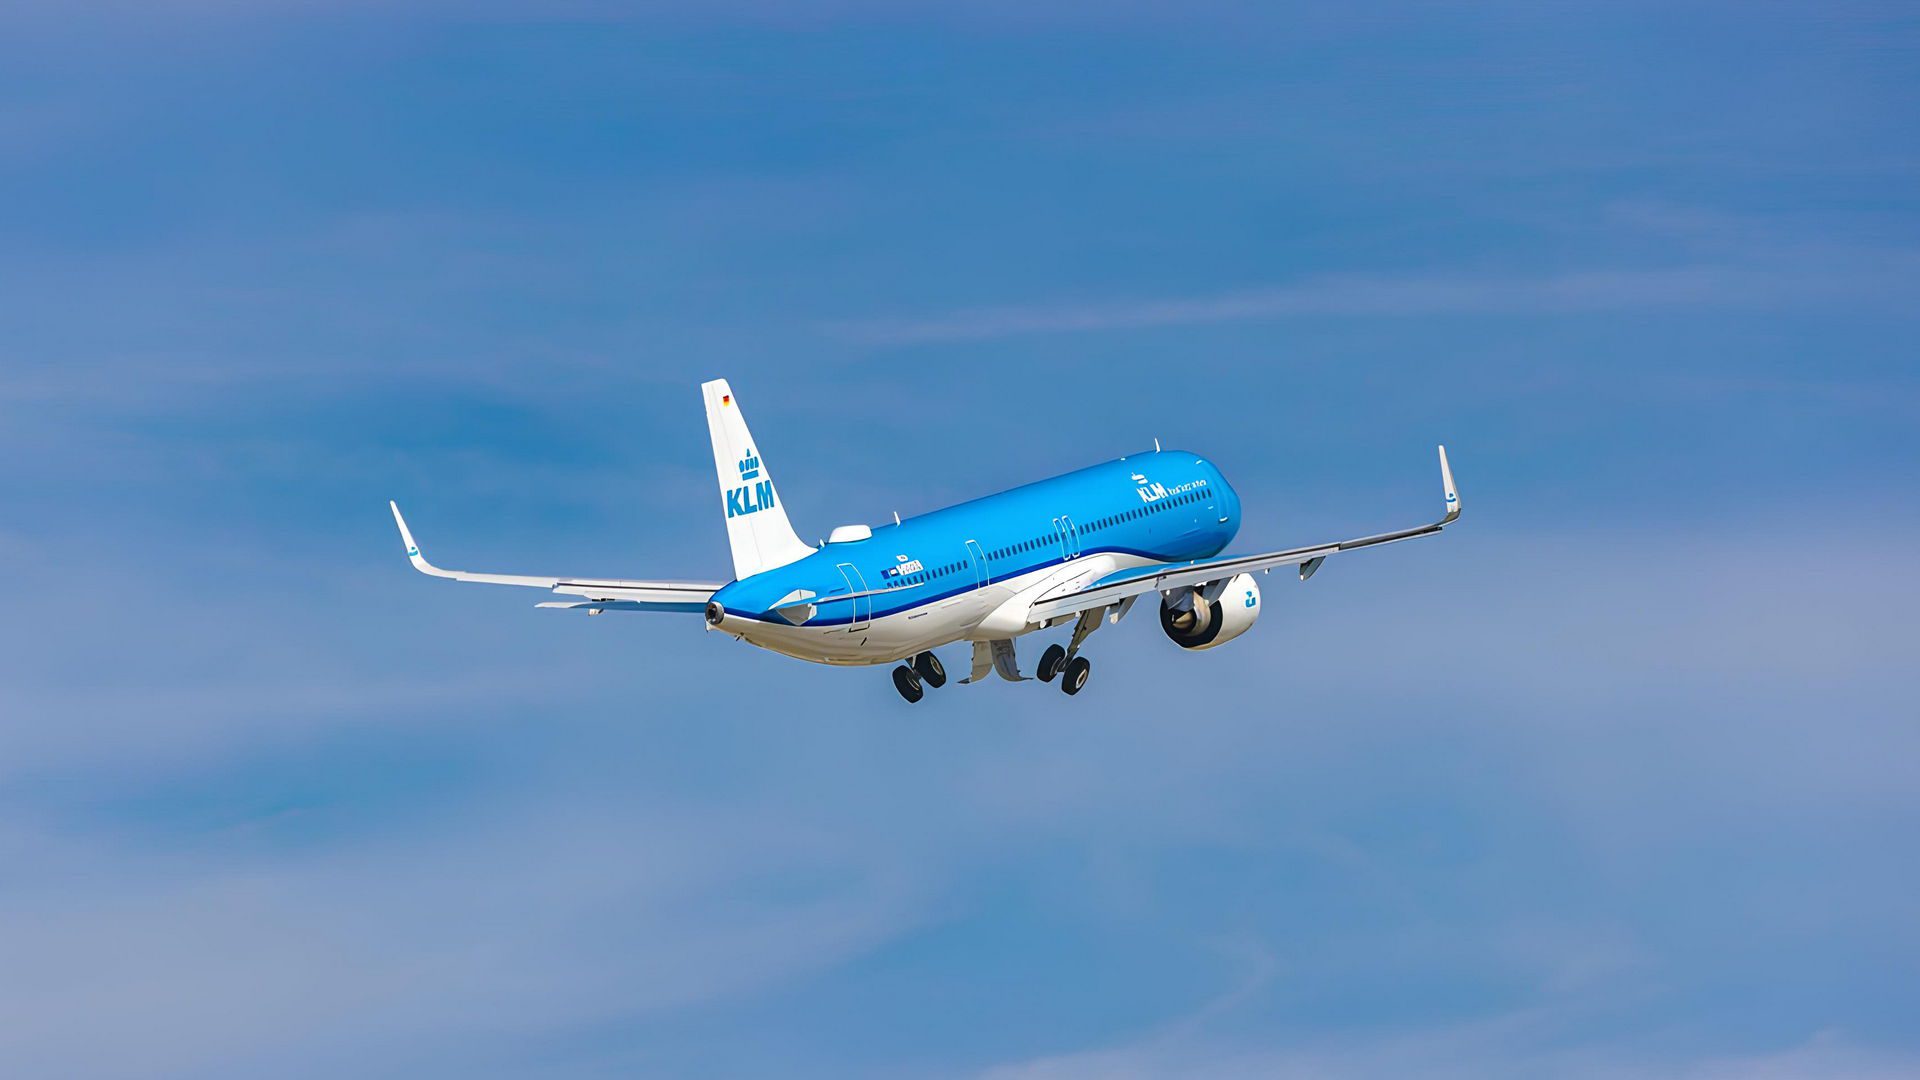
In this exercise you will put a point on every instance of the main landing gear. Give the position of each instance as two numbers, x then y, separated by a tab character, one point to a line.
1051	662
927	666
908	683
1073	671
1067	663
912	678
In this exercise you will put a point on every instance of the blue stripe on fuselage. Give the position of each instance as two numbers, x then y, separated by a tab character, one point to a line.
1166	506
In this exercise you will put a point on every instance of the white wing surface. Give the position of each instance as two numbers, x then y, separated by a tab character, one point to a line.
1168	577
617	594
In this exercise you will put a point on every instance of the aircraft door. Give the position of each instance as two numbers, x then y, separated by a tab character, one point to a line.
1068	535
862	614
978	557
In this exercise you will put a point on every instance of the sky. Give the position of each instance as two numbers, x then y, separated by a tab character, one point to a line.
1616	779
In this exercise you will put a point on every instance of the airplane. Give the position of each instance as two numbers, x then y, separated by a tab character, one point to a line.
1085	546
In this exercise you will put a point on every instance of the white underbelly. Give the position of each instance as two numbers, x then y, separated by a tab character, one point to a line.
992	612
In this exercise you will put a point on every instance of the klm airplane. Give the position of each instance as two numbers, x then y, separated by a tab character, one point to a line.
1081	548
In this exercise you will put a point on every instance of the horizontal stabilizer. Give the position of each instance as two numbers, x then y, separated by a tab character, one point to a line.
619	605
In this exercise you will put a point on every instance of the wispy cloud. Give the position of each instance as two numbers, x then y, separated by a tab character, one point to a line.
610	913
1400	296
1501	1048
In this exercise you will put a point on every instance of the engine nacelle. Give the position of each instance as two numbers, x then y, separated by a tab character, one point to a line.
1200	623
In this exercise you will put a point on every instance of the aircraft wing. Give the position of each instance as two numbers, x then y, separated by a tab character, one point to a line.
617	594
1115	588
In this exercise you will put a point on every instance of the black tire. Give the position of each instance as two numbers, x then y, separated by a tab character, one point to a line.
1076	674
905	681
928	667
1051	662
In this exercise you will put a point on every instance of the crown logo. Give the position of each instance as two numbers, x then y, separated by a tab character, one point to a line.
749	465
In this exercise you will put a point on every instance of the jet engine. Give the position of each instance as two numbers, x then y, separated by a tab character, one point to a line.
1212	615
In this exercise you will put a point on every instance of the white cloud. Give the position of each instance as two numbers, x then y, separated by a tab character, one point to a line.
1506	1047
123	961
1463	293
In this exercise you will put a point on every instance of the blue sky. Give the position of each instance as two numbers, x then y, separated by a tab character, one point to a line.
1617	780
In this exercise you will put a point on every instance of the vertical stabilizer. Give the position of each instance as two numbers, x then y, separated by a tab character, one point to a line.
757	526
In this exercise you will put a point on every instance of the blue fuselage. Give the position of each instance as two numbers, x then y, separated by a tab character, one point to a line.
1165	506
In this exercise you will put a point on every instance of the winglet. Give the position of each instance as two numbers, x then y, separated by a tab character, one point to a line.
1446	484
419	561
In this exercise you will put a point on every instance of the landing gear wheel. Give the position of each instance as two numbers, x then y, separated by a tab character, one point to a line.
1076	674
1051	662
905	681
928	667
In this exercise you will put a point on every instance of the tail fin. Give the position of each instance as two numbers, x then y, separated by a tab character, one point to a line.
757	527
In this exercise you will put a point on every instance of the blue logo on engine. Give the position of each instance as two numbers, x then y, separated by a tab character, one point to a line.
1251	599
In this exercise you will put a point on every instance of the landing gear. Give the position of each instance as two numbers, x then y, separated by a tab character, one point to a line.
1075	675
928	667
1067	662
1051	662
908	683
914	677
